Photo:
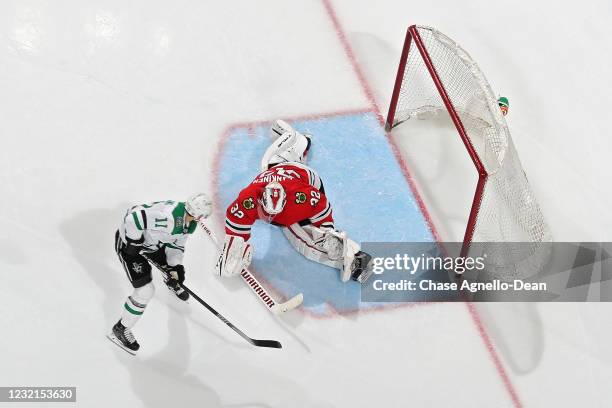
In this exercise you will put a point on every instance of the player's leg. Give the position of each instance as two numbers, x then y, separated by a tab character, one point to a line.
289	146
138	272
133	308
331	248
308	241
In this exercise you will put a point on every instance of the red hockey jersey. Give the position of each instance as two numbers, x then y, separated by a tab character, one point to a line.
306	201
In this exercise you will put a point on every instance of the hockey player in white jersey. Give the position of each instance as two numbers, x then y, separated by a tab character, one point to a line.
154	234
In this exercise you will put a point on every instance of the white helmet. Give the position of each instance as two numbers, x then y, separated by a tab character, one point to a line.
199	206
273	198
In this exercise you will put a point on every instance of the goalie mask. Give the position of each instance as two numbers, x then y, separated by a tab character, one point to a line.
273	198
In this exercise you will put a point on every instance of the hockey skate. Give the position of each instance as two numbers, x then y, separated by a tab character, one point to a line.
123	337
361	268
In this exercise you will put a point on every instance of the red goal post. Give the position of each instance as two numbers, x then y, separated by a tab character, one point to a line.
437	76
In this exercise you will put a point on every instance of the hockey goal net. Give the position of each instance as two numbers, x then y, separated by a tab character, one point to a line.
437	77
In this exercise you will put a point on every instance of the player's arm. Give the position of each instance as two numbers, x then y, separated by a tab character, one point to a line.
175	253
135	223
165	221
240	216
321	212
174	259
173	225
314	180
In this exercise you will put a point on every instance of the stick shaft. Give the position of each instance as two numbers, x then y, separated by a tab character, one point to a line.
249	279
255	342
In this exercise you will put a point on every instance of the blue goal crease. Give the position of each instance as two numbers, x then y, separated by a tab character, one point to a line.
365	185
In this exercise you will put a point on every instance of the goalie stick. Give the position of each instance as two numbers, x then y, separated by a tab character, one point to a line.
258	289
255	342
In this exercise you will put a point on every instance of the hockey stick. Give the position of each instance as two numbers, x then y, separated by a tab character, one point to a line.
255	342
257	288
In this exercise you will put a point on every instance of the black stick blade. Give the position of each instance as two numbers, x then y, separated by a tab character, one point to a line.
258	343
267	343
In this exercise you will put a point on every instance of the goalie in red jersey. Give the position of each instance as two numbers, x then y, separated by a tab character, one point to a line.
289	194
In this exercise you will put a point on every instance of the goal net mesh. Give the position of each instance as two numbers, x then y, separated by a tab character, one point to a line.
505	210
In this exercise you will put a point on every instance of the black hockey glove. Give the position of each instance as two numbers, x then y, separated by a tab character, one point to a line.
177	273
133	247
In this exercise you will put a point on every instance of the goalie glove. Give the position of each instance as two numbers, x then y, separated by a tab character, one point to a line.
235	256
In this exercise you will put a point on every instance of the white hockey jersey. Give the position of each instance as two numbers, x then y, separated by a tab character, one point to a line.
162	226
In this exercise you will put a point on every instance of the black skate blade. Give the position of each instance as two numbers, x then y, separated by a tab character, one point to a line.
116	341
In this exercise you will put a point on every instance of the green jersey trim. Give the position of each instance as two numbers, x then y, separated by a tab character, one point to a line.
136	221
179	218
175	247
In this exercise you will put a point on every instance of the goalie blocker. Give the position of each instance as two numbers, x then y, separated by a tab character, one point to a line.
289	194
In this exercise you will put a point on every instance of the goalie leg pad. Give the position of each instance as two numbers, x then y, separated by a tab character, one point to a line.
332	248
309	241
289	146
279	127
235	256
333	245
350	249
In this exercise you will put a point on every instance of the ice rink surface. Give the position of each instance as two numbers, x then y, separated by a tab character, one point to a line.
109	104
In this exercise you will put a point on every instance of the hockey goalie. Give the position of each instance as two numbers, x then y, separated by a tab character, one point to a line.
289	194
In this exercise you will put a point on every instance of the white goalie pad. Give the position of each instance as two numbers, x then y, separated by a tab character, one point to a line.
350	249
235	256
278	128
289	146
325	246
